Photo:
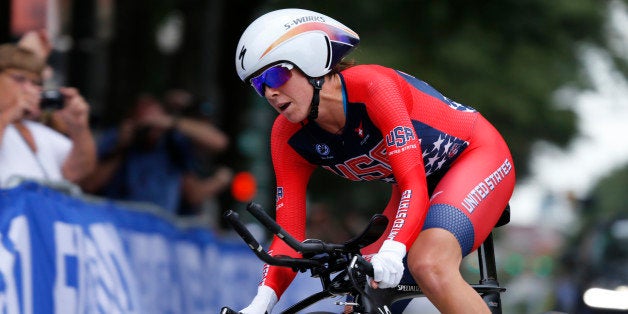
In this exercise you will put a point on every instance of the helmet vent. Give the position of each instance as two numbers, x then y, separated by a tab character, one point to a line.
328	61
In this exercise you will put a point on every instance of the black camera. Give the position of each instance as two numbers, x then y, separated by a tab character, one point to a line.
51	100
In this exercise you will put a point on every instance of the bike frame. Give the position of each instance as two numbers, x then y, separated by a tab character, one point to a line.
343	271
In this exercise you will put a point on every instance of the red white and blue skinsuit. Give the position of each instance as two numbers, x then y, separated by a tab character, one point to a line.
402	131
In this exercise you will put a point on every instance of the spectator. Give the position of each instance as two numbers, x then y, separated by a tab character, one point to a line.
207	178
29	149
40	44
149	157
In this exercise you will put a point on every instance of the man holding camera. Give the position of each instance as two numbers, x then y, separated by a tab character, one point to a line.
29	149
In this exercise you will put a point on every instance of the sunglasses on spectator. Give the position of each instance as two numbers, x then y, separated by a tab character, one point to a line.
273	77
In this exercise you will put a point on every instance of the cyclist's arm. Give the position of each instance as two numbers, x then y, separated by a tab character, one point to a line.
388	105
292	173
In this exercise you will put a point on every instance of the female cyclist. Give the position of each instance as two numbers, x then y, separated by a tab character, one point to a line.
451	171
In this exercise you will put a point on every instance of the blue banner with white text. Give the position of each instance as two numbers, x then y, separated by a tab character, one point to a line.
61	254
65	254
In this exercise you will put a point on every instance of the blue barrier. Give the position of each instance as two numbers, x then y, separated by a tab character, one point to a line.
66	254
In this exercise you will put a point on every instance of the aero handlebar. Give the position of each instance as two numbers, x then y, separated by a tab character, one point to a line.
246	235
301	247
306	247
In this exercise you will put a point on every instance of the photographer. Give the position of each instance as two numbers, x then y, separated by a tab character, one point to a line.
149	157
29	149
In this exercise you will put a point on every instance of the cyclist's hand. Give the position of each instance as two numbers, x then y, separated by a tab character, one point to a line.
263	302
388	264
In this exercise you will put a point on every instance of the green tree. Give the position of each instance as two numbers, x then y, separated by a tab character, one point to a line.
608	198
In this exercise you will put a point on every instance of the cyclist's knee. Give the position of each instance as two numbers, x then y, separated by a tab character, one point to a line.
434	259
429	273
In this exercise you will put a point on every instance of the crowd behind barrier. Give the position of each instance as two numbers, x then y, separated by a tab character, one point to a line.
67	253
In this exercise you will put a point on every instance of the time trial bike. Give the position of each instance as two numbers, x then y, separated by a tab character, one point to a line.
343	271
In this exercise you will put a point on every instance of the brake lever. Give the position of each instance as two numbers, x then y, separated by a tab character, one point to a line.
360	263
227	310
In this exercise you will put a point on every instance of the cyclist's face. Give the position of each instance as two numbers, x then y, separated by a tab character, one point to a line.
292	99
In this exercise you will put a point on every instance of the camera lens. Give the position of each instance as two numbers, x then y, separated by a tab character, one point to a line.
51	99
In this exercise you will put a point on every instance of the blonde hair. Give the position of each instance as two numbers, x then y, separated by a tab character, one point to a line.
15	57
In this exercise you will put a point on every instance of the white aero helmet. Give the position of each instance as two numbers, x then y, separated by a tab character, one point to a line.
313	42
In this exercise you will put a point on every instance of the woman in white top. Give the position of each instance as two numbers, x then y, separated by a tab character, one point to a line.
29	149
